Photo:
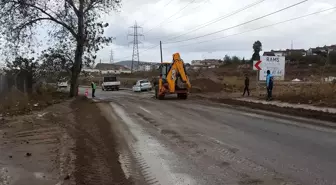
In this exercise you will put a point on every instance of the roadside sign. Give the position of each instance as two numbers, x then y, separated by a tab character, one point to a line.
276	65
256	65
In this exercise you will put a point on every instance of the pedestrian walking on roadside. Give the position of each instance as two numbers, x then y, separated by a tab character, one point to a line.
269	85
93	86
247	84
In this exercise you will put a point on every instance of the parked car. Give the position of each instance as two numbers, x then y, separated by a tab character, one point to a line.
62	84
110	83
142	85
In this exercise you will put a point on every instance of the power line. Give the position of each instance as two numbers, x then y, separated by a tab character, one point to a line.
171	15
240	33
200	4
157	12
218	19
143	51
212	33
259	28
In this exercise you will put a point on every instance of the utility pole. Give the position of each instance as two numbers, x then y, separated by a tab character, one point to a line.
161	51
135	42
111	55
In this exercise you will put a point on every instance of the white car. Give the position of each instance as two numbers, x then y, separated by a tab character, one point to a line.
62	84
142	85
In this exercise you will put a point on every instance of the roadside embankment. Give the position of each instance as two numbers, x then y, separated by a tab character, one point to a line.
299	110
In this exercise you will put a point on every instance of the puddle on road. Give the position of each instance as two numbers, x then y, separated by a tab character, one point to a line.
158	162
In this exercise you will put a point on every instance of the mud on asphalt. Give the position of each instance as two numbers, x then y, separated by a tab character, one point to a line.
66	143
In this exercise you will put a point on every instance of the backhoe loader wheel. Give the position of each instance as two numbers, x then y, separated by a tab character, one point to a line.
160	97
156	93
182	96
157	96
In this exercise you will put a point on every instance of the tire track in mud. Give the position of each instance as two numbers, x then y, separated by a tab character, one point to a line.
149	154
133	163
136	168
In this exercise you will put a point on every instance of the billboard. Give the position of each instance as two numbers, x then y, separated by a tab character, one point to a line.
276	65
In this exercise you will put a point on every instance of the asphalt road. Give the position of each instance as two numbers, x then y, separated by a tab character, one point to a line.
197	142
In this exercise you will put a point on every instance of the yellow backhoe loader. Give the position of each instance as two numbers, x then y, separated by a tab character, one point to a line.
173	79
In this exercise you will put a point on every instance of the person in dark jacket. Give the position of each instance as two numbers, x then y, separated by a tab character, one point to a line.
93	86
247	84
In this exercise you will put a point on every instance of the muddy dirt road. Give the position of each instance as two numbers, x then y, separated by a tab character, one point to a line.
194	142
64	144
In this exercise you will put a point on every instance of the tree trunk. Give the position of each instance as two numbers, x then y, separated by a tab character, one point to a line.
29	83
76	69
77	66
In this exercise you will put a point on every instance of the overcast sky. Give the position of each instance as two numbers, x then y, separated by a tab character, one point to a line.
157	24
167	23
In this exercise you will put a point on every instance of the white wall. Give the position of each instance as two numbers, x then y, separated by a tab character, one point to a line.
106	71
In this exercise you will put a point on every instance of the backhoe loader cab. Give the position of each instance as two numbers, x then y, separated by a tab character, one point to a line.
173	79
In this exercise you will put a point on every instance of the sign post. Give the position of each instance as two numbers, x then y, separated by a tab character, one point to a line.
256	67
275	64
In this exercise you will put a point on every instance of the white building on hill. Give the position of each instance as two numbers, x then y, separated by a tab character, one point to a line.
106	68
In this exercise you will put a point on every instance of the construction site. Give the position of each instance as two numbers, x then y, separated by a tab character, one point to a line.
116	99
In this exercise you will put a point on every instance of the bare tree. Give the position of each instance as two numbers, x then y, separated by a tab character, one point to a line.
57	63
75	23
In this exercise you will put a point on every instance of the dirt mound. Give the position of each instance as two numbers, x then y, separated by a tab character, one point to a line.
205	85
17	103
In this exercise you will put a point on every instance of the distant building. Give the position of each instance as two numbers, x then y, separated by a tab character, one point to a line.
330	79
302	52
244	66
106	68
321	50
187	65
284	53
268	53
206	63
278	53
196	62
148	66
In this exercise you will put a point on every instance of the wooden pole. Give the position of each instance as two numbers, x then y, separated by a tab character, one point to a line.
257	83
161	51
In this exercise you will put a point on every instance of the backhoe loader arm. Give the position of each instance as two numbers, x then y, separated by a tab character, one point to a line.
177	67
